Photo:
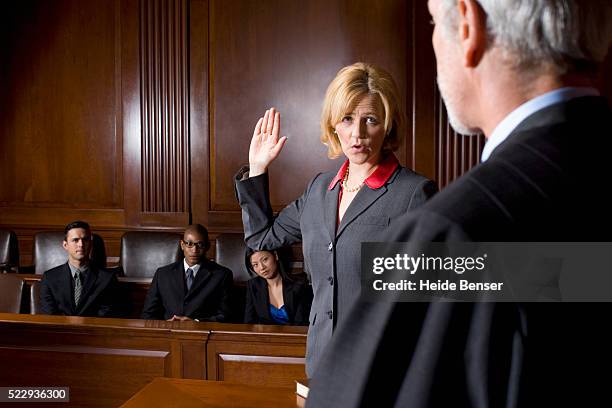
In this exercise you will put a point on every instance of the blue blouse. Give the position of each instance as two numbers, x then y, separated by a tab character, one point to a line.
279	315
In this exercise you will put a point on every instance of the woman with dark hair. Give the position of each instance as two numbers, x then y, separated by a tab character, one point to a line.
273	296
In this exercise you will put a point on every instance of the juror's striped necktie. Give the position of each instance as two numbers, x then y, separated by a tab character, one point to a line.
78	287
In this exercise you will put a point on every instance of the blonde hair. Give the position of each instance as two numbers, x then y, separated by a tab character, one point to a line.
344	93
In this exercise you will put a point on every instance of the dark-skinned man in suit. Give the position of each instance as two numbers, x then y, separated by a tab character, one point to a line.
192	289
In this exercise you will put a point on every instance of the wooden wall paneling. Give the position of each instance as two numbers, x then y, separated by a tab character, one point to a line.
422	74
131	108
165	160
163	183
439	152
105	361
124	354
36	366
198	111
193	360
155	111
455	153
60	151
267	371
284	54
249	357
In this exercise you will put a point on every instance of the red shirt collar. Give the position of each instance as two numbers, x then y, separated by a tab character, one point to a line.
377	179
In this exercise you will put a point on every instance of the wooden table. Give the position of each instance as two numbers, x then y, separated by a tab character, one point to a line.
178	393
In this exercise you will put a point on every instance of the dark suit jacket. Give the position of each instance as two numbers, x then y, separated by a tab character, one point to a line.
331	254
207	300
540	184
296	295
100	295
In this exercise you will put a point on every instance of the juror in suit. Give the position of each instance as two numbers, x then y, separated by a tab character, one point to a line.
361	119
192	289
549	137
274	296
78	288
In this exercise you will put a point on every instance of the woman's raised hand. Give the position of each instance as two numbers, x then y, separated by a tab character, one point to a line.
265	145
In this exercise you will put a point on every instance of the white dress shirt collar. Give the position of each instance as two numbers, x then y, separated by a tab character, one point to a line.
73	270
194	268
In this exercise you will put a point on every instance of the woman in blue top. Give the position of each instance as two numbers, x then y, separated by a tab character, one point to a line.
274	297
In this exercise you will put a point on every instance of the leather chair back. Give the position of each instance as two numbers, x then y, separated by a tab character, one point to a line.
230	252
49	252
143	252
11	291
35	297
9	250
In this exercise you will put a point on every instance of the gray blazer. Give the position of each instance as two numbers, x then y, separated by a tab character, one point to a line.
331	255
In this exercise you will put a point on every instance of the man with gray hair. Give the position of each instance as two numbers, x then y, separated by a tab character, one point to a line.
521	72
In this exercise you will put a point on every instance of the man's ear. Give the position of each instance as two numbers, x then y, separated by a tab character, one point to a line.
65	244
472	31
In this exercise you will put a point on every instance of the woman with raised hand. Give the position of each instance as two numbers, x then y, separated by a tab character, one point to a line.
362	120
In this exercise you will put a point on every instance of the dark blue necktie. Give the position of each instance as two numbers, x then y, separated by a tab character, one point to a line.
189	278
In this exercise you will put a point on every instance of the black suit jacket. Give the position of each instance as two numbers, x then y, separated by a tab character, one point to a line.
207	300
297	297
543	183
100	296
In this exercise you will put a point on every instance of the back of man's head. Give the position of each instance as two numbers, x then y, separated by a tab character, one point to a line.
563	35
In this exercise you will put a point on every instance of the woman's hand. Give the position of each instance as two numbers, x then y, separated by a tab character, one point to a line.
265	145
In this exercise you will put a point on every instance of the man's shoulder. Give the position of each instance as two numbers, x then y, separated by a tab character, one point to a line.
215	268
406	178
550	138
105	273
167	269
56	271
457	211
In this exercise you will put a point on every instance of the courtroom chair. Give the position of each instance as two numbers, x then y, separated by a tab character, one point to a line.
230	252
143	252
9	251
49	252
11	293
35	297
